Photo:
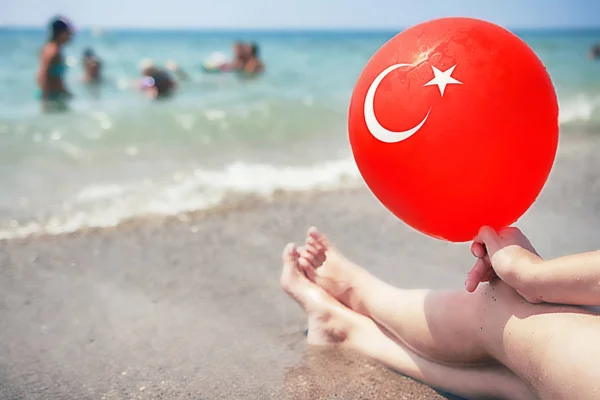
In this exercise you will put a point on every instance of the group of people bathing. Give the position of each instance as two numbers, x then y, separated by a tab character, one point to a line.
157	82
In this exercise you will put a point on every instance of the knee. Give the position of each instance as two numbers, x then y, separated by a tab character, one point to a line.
497	291
497	300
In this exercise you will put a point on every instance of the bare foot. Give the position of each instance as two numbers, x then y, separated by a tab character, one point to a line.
329	322
328	268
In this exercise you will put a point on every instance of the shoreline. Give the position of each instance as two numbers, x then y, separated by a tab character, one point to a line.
238	203
572	147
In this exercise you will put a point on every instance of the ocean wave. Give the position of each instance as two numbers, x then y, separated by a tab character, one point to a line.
579	109
107	205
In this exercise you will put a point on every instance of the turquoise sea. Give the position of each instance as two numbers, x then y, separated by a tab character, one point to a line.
117	155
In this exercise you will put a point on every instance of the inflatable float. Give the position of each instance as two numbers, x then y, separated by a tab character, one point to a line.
217	63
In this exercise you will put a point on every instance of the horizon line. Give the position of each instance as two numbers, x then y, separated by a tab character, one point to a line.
281	29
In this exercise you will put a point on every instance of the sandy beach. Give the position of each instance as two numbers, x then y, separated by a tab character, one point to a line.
190	308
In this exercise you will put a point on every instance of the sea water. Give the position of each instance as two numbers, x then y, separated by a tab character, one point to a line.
117	155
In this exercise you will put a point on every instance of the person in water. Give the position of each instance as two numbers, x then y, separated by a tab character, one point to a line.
52	68
156	82
92	67
236	64
239	56
253	65
595	52
520	330
175	69
245	59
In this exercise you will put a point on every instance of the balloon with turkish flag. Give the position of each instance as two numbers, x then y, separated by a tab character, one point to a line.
453	124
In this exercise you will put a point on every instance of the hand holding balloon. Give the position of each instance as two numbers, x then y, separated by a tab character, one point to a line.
505	254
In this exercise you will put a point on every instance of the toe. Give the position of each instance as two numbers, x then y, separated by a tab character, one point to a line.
312	230
306	265
290	255
289	275
321	239
306	255
329	322
312	242
293	280
317	253
312	249
308	269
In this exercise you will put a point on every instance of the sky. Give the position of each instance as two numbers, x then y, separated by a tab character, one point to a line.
295	14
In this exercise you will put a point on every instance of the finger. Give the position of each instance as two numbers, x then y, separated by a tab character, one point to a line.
475	276
489	276
493	277
489	270
478	249
489	237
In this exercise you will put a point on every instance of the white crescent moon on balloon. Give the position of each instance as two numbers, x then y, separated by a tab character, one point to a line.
441	79
378	131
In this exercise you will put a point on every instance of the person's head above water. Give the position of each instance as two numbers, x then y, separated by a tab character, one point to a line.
254	50
595	52
60	30
238	49
88	53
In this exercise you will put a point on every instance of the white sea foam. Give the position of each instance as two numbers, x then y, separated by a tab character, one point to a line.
580	108
104	205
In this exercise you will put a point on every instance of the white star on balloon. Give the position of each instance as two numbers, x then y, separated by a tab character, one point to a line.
442	79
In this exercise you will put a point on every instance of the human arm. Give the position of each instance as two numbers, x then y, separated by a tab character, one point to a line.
48	55
573	279
512	253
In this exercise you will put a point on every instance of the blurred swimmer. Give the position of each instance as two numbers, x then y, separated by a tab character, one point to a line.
156	82
92	67
50	78
253	64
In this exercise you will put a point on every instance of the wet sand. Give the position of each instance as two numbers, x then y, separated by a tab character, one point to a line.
190	308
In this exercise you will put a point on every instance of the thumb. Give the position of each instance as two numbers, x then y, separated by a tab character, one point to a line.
489	237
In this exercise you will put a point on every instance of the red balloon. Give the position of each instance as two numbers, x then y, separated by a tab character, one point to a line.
454	125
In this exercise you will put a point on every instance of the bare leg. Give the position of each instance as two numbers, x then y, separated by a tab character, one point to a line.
552	348
429	323
331	323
